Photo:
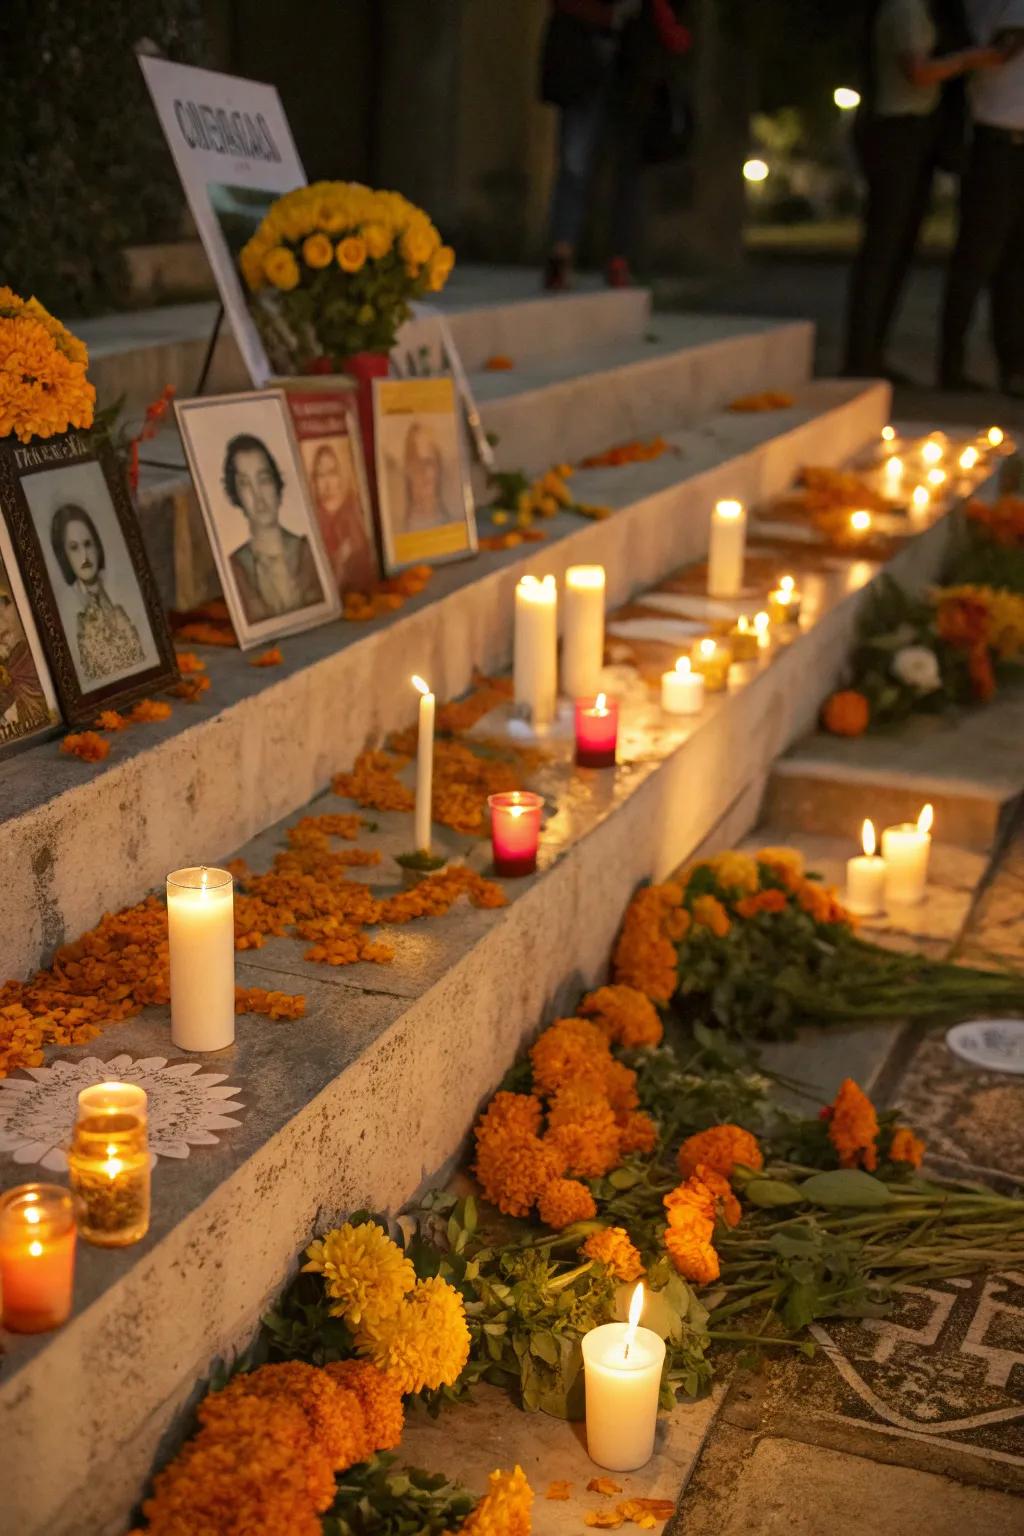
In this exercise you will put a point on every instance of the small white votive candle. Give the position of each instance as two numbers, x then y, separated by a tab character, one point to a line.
682	690
865	876
905	851
201	944
726	548
622	1365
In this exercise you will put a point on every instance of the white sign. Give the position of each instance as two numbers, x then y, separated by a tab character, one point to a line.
235	154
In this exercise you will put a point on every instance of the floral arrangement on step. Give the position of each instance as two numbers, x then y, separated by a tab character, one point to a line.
43	384
333	268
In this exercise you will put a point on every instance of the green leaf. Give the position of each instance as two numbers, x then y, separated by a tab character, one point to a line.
545	1347
772	1192
845	1187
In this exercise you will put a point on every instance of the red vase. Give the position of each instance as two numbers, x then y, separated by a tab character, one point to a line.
364	367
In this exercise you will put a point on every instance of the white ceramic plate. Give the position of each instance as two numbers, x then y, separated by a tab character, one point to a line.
996	1044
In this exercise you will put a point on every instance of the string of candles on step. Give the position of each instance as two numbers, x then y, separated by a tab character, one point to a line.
898	876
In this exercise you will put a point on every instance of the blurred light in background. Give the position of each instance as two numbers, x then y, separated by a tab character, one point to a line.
755	170
845	98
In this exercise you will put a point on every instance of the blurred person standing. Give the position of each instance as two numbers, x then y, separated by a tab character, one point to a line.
989	248
607	66
910	124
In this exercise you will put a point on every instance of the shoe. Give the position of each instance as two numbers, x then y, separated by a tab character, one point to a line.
1013	386
960	384
557	274
617	273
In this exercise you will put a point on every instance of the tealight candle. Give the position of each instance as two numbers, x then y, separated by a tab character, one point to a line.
583	640
995	437
785	602
932	451
622	1365
682	690
108	1164
37	1257
860	522
905	851
712	659
936	477
597	732
535	648
865	876
893	474
424	766
515	831
744	640
726	548
201	942
969	458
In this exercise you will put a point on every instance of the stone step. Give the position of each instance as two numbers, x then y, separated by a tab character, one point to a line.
372	1093
969	764
261	743
175	270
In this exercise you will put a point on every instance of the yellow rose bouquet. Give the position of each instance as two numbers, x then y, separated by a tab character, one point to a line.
332	270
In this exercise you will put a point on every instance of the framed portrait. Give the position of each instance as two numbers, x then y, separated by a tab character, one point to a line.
87	575
426	504
327	428
251	486
28	699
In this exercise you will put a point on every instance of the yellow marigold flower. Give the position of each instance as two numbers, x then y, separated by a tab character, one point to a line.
281	269
721	1148
564	1202
787	864
627	1014
331	216
378	240
351	253
853	1127
364	1272
513	1168
735	872
692	1252
613	1248
637	1133
317	251
380	1397
571	1051
504	1509
439	268
905	1147
424	1343
708	912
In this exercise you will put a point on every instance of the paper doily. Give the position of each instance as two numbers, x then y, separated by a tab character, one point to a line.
186	1105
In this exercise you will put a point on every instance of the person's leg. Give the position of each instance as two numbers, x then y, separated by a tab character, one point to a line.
1007	291
986	205
626	194
920	173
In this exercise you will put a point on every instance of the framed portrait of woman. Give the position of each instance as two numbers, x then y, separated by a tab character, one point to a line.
327	427
28	700
426	503
85	568
252	490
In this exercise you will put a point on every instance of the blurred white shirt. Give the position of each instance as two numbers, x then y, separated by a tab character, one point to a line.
997	95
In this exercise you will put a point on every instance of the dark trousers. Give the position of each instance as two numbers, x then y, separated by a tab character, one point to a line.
582	129
898	160
989	254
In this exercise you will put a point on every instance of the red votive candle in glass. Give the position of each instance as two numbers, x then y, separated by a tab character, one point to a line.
597	731
515	831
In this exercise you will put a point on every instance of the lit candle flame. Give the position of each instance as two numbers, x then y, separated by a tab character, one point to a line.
601	704
924	821
995	436
420	685
931	452
936	477
636	1308
920	497
204	877
708	647
867	838
894	468
888	434
742	624
729	510
860	522
33	1215
35	1249
761	622
968	458
684	665
787	583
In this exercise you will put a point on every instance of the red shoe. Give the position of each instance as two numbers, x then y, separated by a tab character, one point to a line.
557	274
617	273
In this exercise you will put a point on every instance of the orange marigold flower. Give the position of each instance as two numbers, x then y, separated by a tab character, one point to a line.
645	953
86	745
637	1133
771	900
571	1051
381	1399
708	912
707	1191
627	1014
148	710
110	720
334	1413
588	1141
613	1247
691	1250
786	864
189	663
620	1088
269	658
853	1127
721	1148
564	1202
905	1147
513	1169
517	1112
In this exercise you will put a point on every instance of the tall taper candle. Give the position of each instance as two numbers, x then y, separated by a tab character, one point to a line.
201	939
583	640
535	664
726	548
424	766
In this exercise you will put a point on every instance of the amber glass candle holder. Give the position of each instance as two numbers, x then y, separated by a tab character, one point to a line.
109	1164
37	1257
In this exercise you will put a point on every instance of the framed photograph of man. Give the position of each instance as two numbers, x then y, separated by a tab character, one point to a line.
28	700
426	504
327	427
86	572
251	486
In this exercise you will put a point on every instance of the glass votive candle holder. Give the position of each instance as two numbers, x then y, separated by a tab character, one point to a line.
515	831
744	640
597	731
109	1164
785	602
712	659
37	1257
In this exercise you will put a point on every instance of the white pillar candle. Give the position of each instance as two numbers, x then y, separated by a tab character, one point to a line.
726	548
865	876
905	851
424	767
535	649
583	640
622	1366
893	475
682	690
201	942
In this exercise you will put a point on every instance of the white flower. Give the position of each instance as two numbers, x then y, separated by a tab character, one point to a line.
917	667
